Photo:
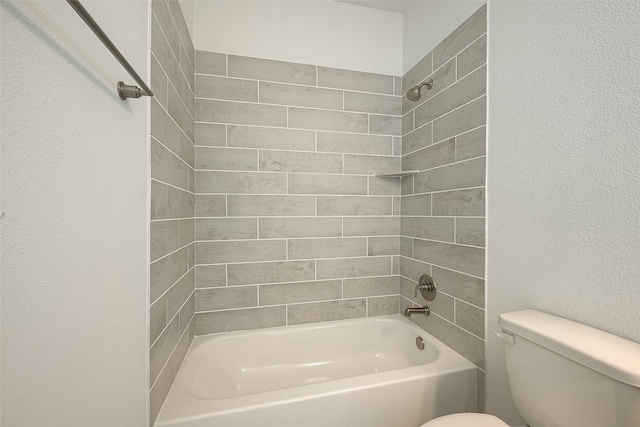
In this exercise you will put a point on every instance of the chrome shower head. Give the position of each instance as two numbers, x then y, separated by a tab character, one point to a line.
413	94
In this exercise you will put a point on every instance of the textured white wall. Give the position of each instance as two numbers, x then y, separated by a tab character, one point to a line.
74	232
563	169
310	32
427	23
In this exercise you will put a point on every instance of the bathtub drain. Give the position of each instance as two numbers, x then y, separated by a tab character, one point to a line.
420	343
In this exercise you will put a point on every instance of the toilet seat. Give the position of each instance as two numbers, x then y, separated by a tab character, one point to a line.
466	420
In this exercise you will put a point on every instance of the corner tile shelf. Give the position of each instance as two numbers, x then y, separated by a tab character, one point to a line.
396	174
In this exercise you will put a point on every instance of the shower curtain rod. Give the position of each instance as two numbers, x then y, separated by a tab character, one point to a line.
125	91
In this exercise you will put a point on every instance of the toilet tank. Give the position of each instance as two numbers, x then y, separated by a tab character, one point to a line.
565	374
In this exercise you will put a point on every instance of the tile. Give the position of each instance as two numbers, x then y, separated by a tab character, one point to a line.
368	165
270	138
397	146
222	158
288	161
385	125
412	269
354	143
164	237
384	186
407	123
472	57
165	130
397	85
325	311
164	272
275	71
406	185
396	264
480	387
406	246
463	91
300	96
432	156
192	180
226	228
286	293
417	73
163	14
397	205
470	231
183	31
371	286
355	80
383	306
158	82
180	293
327	247
459	203
428	228
237	251
161	350
377	246
240	113
215	87
372	103
186	313
416	205
239	320
211	63
467	117
178	111
257	205
226	298
471	144
270	272
211	206
210	134
353	267
241	182
417	139
442	78
470	318
157	318
163	51
210	276
187	69
282	227
469	346
300	183
187	231
460	258
169	202
306	118
467	288
470	173
371	226
461	37
353	205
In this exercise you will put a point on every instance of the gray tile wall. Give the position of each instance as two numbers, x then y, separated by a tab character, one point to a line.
172	227
443	206
291	227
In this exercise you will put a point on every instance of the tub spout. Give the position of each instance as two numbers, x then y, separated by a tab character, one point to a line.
423	310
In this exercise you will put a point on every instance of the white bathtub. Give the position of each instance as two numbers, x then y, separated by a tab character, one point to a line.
353	373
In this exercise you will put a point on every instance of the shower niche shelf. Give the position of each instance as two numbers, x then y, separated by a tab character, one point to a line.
396	174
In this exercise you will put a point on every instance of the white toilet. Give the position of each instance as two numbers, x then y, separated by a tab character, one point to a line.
564	374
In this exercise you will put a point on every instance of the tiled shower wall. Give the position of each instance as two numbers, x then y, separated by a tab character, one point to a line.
443	206
291	226
172	248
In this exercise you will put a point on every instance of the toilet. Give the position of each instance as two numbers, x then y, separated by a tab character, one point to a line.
563	374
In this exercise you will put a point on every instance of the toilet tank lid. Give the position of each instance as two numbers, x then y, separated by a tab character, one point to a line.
601	351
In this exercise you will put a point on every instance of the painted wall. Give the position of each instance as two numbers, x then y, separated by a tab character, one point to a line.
427	23
74	230
563	174
310	32
172	251
291	226
443	206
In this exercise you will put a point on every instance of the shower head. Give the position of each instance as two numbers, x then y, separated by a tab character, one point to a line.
413	94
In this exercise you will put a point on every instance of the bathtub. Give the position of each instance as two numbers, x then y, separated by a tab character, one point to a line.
351	373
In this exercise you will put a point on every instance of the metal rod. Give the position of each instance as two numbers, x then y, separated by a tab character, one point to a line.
124	91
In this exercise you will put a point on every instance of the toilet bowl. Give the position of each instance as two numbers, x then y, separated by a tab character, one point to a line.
466	420
564	374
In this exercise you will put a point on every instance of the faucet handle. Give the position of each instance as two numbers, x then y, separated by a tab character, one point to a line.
426	287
